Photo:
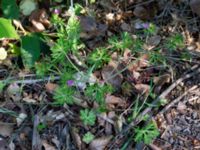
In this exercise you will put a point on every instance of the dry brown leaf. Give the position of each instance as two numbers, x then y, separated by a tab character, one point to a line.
153	42
142	88
160	81
141	12
100	143
112	76
39	20
50	87
111	99
91	28
14	91
5	129
125	27
195	6
47	146
76	138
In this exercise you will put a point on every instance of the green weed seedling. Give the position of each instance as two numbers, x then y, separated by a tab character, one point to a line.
174	42
146	134
125	41
41	127
88	137
99	57
150	29
64	95
97	93
88	117
2	85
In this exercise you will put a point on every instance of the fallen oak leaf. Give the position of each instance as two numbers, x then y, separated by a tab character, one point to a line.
112	76
100	143
39	20
143	88
50	87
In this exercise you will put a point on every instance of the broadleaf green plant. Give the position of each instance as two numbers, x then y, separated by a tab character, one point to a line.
7	30
146	134
97	93
88	117
88	137
10	9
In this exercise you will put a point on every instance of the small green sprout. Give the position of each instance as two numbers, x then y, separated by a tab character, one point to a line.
2	85
174	42
88	117
41	126
88	137
98	57
125	41
64	94
151	29
146	134
97	92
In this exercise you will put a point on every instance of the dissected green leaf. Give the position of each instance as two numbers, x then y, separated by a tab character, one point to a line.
30	49
7	30
10	9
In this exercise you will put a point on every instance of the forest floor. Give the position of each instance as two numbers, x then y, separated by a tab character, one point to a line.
104	74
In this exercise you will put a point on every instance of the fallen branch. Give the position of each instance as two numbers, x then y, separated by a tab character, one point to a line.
173	102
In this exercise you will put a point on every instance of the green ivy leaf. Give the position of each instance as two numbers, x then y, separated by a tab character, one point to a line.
10	9
30	49
7	30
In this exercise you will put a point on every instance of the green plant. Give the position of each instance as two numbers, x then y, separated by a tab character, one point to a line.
88	117
88	137
125	41
42	68
150	29
41	126
2	85
98	57
97	93
146	134
174	42
68	38
64	94
155	57
138	45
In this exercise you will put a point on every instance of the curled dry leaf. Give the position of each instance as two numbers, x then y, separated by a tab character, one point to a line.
125	27
91	28
50	87
195	5
153	42
142	88
100	143
76	138
112	76
47	146
14	91
114	100
160	81
39	20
